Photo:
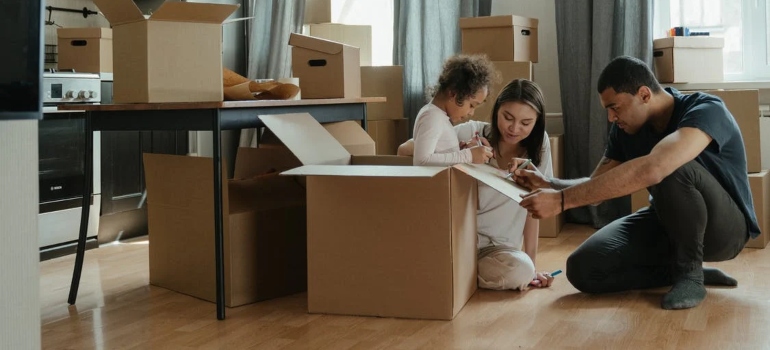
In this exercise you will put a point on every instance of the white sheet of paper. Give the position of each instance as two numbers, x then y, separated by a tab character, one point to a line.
494	178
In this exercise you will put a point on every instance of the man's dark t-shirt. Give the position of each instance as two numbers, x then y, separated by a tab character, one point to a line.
724	157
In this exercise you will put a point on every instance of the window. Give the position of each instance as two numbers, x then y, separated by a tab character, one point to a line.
376	13
742	23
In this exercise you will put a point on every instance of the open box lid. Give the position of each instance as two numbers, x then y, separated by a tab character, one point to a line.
120	11
316	44
493	177
497	21
307	139
193	12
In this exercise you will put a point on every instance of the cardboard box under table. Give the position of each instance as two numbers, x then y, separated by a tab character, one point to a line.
392	241
264	226
175	55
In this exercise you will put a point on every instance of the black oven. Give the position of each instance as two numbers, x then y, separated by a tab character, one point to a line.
61	146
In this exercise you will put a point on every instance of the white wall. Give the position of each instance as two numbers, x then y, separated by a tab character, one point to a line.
547	68
19	259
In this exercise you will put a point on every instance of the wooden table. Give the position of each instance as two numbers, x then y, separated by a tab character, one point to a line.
198	116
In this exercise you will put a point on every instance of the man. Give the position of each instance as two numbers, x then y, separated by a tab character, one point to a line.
688	152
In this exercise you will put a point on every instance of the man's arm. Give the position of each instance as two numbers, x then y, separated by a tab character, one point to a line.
615	180
604	165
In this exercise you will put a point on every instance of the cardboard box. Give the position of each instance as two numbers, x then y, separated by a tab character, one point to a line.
359	36
696	59
744	106
760	192
391	241
383	81
509	71
173	56
319	11
639	200
348	134
86	50
264	226
388	134
552	226
502	38
326	69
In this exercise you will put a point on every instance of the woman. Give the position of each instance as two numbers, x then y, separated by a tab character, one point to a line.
507	236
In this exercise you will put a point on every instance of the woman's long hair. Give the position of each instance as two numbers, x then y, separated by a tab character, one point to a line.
524	91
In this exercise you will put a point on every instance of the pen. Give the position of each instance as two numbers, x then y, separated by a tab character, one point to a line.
555	273
478	139
522	166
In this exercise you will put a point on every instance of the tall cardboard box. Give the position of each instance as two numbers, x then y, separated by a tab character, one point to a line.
502	38
692	59
173	56
383	81
388	134
390	241
264	226
86	50
744	106
552	226
760	192
509	71
319	11
326	69
359	36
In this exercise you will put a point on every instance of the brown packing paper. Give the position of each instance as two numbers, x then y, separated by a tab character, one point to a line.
253	90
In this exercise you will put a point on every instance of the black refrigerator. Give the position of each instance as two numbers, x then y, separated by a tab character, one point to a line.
21	60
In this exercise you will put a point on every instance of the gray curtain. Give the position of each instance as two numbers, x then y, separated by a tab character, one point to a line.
590	33
425	33
268	55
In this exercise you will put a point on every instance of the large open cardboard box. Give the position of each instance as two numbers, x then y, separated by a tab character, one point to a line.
86	50
175	55
326	69
696	59
392	241
501	38
264	226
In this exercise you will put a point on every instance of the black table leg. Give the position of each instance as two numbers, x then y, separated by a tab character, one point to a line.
218	227
88	167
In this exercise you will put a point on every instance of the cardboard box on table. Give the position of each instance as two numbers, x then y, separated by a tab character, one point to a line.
326	69
391	241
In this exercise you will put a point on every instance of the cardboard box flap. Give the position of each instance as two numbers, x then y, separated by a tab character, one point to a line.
497	21
250	162
365	170
84	33
119	11
695	42
307	139
493	177
316	44
350	135
264	193
193	12
382	160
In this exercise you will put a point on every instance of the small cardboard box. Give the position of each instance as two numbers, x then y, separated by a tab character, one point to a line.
744	106
173	56
391	241
552	226
688	59
264	226
388	134
86	50
326	69
383	81
359	36
502	38
509	71
760	192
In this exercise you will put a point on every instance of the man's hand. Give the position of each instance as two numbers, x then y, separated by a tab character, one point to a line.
531	177
542	203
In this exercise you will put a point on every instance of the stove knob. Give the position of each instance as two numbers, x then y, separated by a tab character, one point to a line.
91	94
82	94
69	94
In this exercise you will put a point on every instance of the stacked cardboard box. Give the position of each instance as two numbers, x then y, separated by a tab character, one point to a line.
744	106
320	18
385	121
509	41
552	226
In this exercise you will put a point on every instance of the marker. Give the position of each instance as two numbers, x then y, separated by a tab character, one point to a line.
478	139
555	273
522	166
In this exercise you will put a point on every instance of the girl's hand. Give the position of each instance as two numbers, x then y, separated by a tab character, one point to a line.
542	280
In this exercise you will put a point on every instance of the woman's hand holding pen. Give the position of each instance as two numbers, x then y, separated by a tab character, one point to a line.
529	177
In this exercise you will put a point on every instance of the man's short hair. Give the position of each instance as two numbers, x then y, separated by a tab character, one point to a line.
627	74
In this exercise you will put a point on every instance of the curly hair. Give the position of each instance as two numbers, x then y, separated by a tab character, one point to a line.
465	75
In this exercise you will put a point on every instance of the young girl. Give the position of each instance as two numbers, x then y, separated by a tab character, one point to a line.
462	86
507	236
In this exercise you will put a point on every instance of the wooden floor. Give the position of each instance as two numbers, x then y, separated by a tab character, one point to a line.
117	309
